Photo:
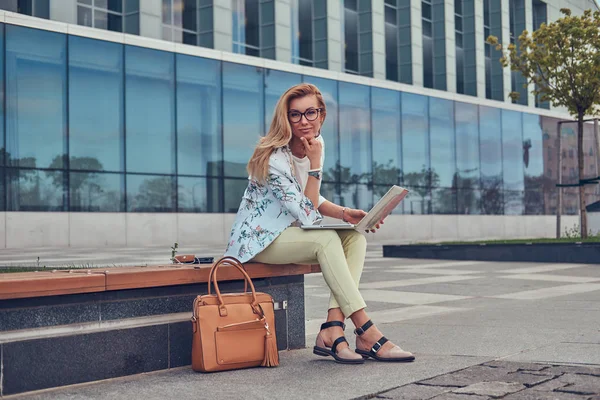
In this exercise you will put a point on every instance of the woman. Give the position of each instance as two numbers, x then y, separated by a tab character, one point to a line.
283	189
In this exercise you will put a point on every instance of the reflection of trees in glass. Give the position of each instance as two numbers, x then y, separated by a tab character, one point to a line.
86	187
422	183
350	182
492	197
155	194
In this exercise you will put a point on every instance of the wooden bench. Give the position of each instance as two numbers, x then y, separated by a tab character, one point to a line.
94	324
60	282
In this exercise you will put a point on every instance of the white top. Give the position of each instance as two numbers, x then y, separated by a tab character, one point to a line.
301	168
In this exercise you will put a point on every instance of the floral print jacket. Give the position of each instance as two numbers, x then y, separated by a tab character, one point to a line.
268	209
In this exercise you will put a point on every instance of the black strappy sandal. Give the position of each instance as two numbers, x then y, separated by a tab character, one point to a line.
321	350
378	344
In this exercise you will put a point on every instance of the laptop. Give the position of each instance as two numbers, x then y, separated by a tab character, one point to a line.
382	209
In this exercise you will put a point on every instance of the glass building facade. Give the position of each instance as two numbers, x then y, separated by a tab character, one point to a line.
96	126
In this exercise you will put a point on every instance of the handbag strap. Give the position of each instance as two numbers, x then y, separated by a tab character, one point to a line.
212	270
234	262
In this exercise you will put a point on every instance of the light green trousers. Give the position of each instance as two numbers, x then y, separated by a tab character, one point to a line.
341	255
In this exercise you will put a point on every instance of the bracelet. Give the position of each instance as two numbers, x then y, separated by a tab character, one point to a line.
344	209
315	170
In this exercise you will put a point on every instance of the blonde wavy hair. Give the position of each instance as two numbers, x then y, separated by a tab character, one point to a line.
280	132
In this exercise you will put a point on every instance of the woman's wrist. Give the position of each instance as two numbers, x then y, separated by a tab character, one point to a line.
344	209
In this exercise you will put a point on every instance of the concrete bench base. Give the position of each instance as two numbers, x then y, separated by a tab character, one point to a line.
60	340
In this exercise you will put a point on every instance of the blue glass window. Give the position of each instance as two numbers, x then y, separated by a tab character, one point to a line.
234	189
356	195
96	192
276	84
415	152
36	97
149	96
35	190
442	154
387	144
329	129
2	149
243	113
467	146
95	105
512	161
533	161
199	195
199	139
150	193
355	133
490	128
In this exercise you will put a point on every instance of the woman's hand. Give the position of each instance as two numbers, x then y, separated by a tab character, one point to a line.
354	216
313	148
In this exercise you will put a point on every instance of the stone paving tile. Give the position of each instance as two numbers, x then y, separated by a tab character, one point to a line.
512	366
455	396
492	389
413	392
572	369
583	384
484	373
529	395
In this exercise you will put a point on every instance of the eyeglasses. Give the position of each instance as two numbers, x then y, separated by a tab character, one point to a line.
310	114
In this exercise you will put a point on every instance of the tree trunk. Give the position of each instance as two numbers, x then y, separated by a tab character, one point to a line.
581	164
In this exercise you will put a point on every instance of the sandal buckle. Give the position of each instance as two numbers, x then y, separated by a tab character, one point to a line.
376	347
359	331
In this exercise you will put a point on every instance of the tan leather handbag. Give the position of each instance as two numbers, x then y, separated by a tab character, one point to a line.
233	330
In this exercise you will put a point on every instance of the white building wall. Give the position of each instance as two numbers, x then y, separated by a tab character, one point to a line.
223	25
480	49
52	229
283	31
449	27
335	35
416	34
151	18
378	24
63	11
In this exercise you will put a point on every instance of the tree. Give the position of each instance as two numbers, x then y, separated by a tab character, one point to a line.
562	60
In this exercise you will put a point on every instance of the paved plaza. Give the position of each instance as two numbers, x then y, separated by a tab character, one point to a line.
479	330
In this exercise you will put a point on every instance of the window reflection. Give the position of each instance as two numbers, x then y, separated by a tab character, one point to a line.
199	195
148	193
93	191
491	149
34	190
512	150
468	201
199	138
242	115
276	83
356	195
234	190
2	149
329	129
415	142
387	147
150	110
35	97
533	161
442	151
467	146
418	200
355	133
95	121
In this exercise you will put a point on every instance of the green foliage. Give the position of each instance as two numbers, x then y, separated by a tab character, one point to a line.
563	59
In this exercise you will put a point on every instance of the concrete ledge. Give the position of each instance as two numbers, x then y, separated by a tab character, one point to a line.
584	253
81	326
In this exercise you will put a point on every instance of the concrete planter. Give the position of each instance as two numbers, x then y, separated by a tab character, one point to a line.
585	253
